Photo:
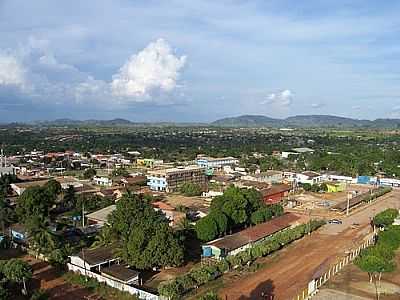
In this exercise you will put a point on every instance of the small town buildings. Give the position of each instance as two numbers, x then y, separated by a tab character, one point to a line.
6	171
20	187
99	217
296	151
275	194
66	182
215	162
245	239
103	181
174	217
309	177
149	162
335	187
93	259
169	180
269	176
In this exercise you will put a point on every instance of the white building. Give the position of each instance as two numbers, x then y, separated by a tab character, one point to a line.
216	162
265	177
103	181
309	177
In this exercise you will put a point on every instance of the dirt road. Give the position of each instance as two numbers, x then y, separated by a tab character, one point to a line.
286	276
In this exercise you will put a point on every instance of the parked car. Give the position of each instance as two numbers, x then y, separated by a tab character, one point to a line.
335	221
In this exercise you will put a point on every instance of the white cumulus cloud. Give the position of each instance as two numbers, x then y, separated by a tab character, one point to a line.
282	98
155	68
12	72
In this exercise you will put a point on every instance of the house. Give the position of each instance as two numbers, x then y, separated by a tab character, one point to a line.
121	273
276	193
68	181
99	217
102	265
269	176
169	180
135	180
296	151
335	188
20	187
149	162
94	259
309	177
6	171
103	181
110	193
170	213
245	239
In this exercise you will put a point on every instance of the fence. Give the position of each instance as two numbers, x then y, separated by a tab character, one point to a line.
113	283
314	284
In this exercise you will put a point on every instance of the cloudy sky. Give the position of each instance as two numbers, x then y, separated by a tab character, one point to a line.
171	60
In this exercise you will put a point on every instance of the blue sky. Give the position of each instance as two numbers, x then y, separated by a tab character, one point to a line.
198	60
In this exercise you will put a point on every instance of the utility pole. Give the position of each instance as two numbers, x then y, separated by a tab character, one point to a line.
348	203
83	214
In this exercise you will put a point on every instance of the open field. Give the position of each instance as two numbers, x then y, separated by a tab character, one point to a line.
286	276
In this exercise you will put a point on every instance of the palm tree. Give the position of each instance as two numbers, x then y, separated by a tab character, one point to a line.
103	238
42	240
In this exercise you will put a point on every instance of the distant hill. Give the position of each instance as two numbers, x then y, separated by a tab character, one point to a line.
305	121
248	121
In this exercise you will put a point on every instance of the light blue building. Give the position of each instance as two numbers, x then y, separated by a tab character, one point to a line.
157	183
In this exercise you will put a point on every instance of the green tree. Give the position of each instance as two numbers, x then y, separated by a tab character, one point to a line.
386	217
375	265
53	187
4	294
41	239
206	229
143	234
221	220
70	199
89	173
17	271
34	201
7	215
190	189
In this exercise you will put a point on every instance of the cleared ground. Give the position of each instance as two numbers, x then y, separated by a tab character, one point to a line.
290	273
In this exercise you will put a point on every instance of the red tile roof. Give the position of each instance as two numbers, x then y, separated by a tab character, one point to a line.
275	189
162	205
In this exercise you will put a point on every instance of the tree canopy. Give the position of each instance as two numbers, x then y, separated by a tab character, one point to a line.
144	238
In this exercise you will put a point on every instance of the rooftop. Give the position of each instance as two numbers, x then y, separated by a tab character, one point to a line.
27	184
102	214
303	150
274	189
311	174
255	233
98	255
176	170
120	272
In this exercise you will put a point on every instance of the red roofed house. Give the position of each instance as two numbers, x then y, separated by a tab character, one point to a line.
275	194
